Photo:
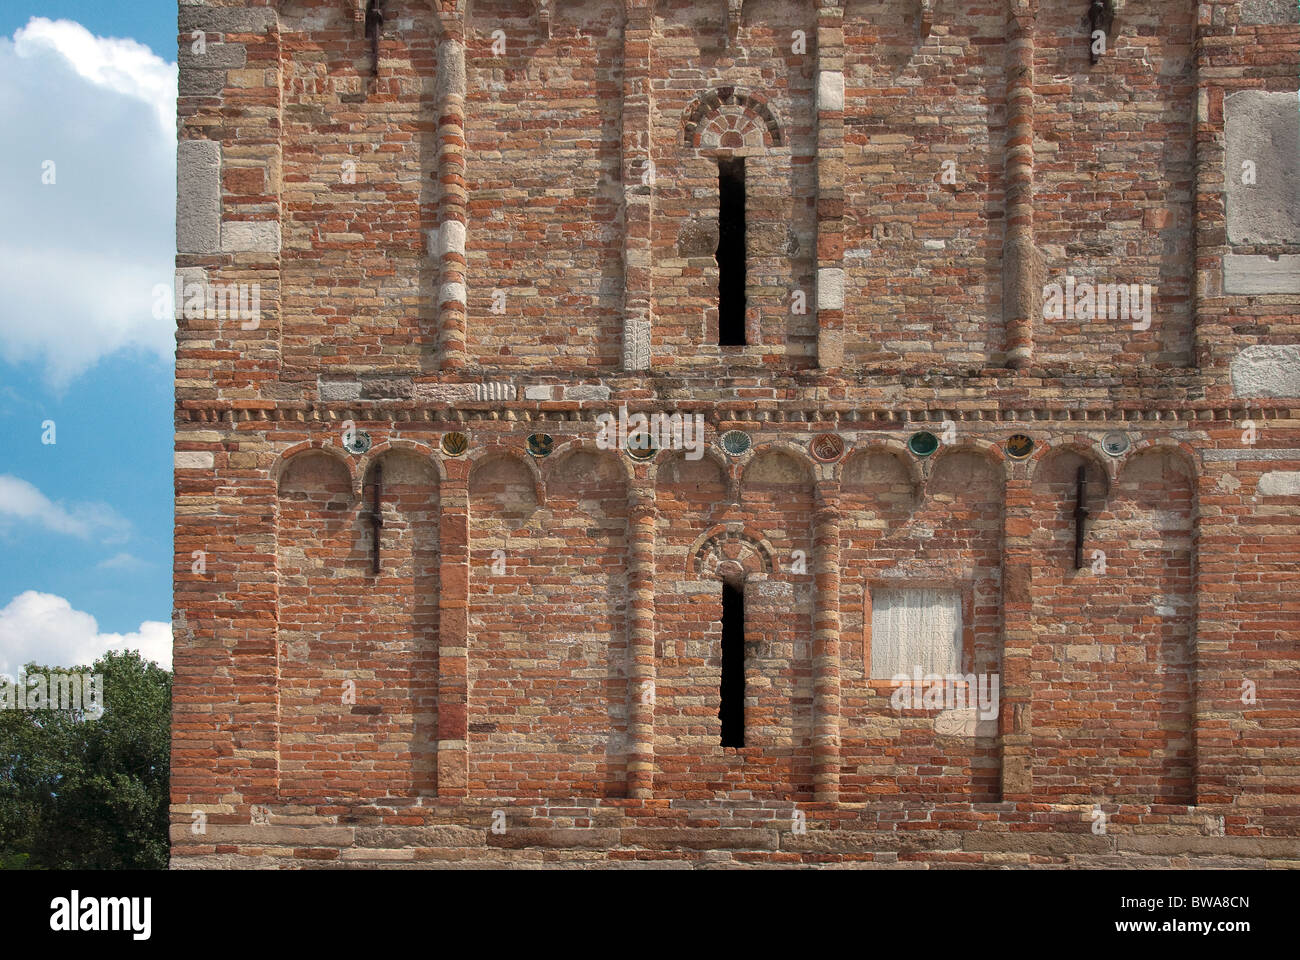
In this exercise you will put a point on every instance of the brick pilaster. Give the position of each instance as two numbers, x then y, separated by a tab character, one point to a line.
453	204
830	185
826	645
642	516
1014	716
453	630
638	186
1019	294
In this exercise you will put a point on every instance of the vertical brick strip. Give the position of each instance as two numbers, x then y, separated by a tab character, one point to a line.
1210	210
453	631
1019	294
642	516
826	646
1018	638
638	186
452	216
830	185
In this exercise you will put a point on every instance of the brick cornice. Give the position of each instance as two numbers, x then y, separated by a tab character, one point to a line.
806	415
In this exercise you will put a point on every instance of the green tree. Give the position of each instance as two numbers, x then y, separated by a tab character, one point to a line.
79	791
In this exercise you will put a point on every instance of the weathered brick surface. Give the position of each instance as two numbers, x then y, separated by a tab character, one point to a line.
506	243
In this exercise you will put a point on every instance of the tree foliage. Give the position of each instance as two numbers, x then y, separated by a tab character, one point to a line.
84	792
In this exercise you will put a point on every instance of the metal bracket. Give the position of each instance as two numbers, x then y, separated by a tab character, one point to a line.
377	516
374	27
1080	514
1101	16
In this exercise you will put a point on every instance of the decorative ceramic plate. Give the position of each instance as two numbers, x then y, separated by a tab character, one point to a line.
641	446
358	443
736	442
827	447
540	444
1019	446
923	443
1115	443
454	444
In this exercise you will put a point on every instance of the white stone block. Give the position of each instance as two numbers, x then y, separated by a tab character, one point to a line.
830	288
195	460
830	90
250	236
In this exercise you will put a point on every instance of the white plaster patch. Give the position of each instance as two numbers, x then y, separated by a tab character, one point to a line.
1279	483
1267	371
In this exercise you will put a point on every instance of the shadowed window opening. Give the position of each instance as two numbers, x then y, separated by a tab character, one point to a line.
732	709
731	252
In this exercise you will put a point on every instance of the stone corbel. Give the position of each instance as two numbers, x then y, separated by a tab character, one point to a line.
733	20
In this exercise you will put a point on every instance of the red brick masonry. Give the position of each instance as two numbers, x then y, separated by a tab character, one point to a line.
510	231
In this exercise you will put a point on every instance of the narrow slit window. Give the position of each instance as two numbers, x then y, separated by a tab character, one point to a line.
731	711
731	252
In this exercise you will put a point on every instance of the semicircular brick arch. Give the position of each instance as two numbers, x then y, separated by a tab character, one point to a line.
751	555
728	117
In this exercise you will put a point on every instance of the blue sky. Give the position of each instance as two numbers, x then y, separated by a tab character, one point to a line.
151	22
87	198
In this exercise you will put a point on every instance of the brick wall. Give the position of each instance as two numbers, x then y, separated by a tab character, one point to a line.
471	251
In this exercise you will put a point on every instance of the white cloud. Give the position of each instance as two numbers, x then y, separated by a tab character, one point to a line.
122	561
79	258
44	628
20	500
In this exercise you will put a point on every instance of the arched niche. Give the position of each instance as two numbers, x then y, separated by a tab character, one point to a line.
878	489
504	486
316	476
